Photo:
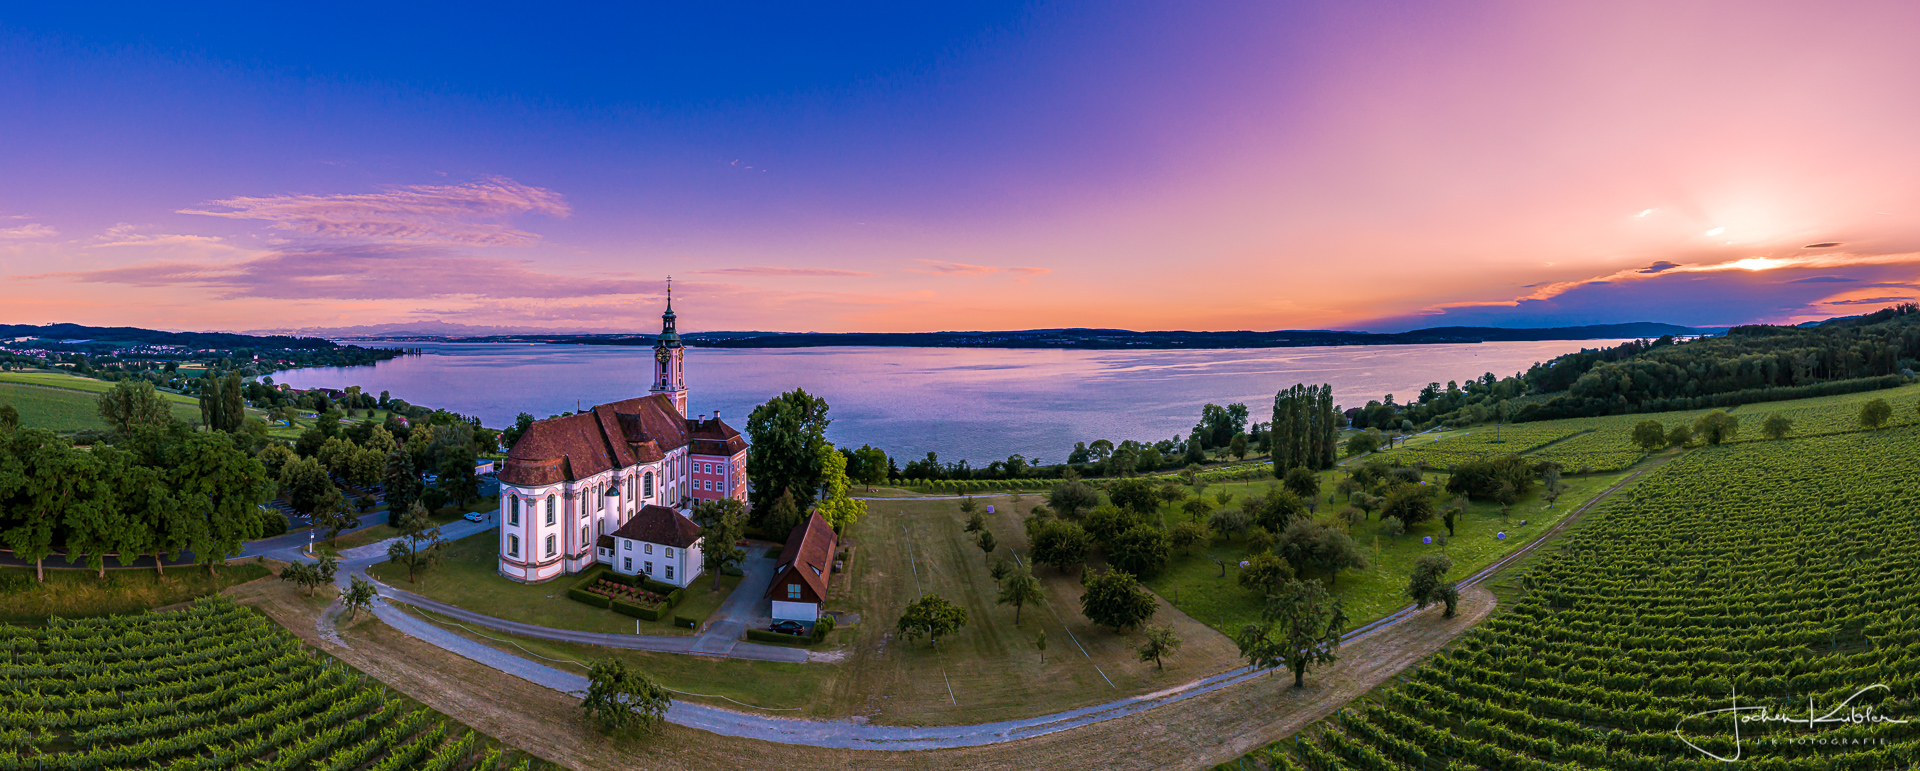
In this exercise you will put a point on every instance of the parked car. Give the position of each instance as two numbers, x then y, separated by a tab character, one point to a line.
787	627
474	516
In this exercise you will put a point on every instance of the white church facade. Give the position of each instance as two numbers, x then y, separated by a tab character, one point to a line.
616	484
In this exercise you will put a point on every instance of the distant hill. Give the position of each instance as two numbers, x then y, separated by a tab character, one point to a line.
1115	338
137	336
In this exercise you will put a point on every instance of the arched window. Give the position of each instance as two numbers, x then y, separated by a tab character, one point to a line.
603	499
513	509
648	484
550	549
583	536
549	509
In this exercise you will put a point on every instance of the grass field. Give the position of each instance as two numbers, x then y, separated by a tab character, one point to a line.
63	408
468	577
80	593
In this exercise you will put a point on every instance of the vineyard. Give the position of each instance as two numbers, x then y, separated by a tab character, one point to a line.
1456	446
215	686
1783	574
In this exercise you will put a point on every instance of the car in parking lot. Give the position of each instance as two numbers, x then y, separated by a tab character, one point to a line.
474	516
787	627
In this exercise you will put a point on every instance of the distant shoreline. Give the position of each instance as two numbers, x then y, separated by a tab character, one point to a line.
1088	339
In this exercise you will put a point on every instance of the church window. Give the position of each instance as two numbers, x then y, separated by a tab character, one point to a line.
649	484
550	548
583	535
513	511
513	546
549	509
603	501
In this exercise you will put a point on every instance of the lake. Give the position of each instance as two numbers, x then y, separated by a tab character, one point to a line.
977	404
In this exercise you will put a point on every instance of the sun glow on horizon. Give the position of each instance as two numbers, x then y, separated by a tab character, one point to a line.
1758	263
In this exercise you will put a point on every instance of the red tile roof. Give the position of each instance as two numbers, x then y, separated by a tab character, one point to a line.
806	560
661	525
617	435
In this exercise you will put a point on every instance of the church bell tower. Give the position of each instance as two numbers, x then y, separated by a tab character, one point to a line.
669	359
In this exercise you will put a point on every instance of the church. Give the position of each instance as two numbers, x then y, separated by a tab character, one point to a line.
617	484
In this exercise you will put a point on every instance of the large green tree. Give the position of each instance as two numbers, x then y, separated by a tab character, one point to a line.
1057	544
1142	550
1427	584
223	484
1299	627
133	406
1114	598
787	435
1306	425
840	509
933	616
1018	589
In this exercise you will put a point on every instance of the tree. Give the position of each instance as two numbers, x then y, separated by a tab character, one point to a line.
933	616
1228	522
1184	535
1071	497
1265	573
212	407
9	417
1717	426
1058	544
784	457
1108	522
221	486
1874	414
1160	643
511	436
1115	599
621	698
1550	485
723	522
1020	588
1141	550
400	484
1649	435
1428	585
1040	642
1411	504
1679	435
314	496
783	516
1776	426
1302	482
134	406
986	543
456	480
418	546
359	595
836	506
1238	447
1483	478
1305	427
1135	495
976	521
1320	547
1299	627
1363	442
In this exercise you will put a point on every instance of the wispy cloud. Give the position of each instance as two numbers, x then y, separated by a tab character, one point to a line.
466	214
944	268
125	234
32	230
774	270
364	273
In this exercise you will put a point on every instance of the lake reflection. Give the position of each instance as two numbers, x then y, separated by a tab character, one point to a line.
977	404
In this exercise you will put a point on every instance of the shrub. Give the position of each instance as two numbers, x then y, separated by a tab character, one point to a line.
767	636
637	611
686	623
590	598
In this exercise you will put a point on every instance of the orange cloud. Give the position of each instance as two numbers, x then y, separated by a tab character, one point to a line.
467	214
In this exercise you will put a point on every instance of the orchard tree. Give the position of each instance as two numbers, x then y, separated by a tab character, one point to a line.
1018	589
1057	544
359	596
987	544
1115	599
620	698
1428	585
1264	573
1141	550
134	406
1072	497
418	546
1302	482
1299	627
1160	643
1184	535
933	616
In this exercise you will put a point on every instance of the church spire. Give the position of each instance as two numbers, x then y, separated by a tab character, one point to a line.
669	337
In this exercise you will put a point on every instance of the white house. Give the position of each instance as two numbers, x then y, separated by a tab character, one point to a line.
657	543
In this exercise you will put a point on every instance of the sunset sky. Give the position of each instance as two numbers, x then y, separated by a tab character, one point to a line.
907	166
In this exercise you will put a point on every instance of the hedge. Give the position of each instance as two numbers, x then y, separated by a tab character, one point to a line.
768	636
590	598
637	611
683	621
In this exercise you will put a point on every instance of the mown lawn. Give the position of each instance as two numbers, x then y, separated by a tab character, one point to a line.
59	409
468	577
80	593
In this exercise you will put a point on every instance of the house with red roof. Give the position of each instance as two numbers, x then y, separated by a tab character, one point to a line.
805	570
572	484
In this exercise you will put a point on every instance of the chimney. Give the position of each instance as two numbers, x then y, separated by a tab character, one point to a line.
716	415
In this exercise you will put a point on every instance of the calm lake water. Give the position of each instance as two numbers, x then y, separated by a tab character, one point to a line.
980	405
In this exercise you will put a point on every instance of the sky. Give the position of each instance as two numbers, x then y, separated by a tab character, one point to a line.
915	167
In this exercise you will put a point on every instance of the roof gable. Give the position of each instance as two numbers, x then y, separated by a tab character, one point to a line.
808	556
661	525
609	436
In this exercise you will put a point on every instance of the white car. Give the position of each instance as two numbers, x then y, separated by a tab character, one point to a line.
474	516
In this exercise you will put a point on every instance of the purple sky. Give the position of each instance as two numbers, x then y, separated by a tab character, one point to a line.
1158	166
